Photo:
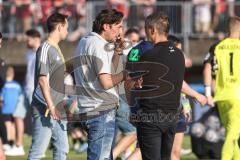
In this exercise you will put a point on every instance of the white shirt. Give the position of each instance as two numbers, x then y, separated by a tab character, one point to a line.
94	60
29	79
202	10
121	67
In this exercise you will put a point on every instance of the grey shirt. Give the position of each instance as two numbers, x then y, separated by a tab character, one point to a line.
93	60
49	64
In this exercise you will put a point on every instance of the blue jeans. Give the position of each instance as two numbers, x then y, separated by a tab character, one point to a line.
45	129
122	117
100	136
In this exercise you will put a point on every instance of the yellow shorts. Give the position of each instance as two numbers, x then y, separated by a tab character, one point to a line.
229	112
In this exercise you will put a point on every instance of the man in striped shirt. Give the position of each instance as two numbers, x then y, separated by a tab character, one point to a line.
49	92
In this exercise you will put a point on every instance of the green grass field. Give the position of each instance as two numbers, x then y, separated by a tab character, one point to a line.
73	156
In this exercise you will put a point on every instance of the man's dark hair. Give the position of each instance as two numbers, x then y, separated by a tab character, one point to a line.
0	35
175	40
160	21
55	19
131	30
33	33
106	16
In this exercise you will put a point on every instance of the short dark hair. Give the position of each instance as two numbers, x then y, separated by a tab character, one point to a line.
158	20
131	30
175	40
106	16
33	33
1	35
54	19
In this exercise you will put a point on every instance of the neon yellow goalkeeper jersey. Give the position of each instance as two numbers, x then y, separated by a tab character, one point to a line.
227	59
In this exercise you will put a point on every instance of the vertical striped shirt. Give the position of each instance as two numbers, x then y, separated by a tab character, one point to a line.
49	64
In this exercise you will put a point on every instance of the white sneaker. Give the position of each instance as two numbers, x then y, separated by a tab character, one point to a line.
76	146
15	151
6	147
185	151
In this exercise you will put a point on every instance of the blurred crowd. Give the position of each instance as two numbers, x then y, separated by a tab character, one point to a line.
20	15
208	16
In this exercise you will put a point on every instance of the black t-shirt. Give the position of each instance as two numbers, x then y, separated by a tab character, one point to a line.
165	64
210	58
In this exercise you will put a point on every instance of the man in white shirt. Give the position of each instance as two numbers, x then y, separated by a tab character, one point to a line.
33	43
98	78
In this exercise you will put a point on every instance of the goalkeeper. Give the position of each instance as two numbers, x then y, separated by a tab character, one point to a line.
223	60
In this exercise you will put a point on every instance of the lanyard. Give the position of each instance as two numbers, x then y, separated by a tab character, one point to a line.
50	41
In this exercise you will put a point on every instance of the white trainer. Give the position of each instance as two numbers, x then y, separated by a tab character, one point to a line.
15	151
6	147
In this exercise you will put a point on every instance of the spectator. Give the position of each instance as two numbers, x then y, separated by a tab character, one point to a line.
33	43
81	19
237	7
46	8
24	17
202	15
2	155
185	114
0	40
144	8
1	8
133	35
57	5
2	66
98	80
10	94
70	9
231	8
173	11
49	73
76	133
119	5
220	17
37	17
8	19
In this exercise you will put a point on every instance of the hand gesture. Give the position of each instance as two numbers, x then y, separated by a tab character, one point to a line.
55	113
210	101
138	83
201	99
119	46
187	115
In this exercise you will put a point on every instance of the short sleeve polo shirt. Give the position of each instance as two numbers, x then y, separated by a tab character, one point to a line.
93	60
50	64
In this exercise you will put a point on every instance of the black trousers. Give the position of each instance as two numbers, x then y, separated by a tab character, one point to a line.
155	141
3	130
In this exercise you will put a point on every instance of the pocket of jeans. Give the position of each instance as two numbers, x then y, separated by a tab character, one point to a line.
95	128
46	121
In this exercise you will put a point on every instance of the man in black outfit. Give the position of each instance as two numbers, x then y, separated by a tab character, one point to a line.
158	112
